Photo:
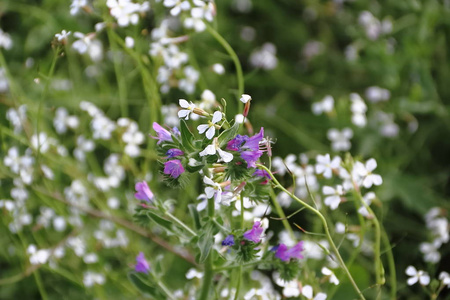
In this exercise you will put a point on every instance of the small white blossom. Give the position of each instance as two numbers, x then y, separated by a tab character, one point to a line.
63	36
245	98
365	172
445	278
333	196
307	291
188	109
376	94
77	5
210	128
177	6
340	140
417	276
327	272
193	273
129	42
5	40
325	105
325	165
213	189
214	148
264	58
218	69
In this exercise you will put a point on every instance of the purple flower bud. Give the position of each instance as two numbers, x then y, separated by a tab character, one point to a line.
253	142
142	265
254	234
251	157
173	168
143	191
228	241
235	144
262	173
286	254
174	152
176	131
163	134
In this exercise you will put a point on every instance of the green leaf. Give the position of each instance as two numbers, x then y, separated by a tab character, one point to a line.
228	134
205	242
160	221
144	286
186	136
195	216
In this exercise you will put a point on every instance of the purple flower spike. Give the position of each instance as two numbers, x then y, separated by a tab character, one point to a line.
282	253
174	152
251	157
142	265
286	254
143	191
253	142
235	144
228	241
173	168
163	134
254	234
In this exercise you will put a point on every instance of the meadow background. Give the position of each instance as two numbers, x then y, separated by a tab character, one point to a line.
77	200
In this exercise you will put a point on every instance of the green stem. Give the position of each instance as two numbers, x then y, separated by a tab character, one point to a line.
163	287
181	223
238	285
234	57
391	264
207	278
325	225
281	214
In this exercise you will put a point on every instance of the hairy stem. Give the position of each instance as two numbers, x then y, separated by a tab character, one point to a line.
207	278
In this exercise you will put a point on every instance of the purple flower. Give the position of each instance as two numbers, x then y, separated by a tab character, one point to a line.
235	144
174	152
142	265
251	157
254	234
143	191
173	168
286	254
163	134
228	241
176	131
262	173
253	142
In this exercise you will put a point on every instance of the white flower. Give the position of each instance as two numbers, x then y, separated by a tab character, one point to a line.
102	127
83	145
195	23
91	278
325	105
358	109
325	165
126	12
63	35
208	99
340	140
210	128
87	44
430	252
213	189
214	148
40	257
307	291
193	273
327	272
129	42
365	172
77	5
5	40
368	200
422	277
42	142
376	94
16	117
189	108
445	278
177	6
264	58
62	120
218	69
187	84
245	98
333	196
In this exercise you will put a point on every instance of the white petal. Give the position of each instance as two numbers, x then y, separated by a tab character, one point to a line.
209	191
377	180
328	190
424	279
411	271
226	157
202	128
326	271
210	133
184	113
307	291
183	103
412	280
216	117
371	165
320	296
209	150
208	180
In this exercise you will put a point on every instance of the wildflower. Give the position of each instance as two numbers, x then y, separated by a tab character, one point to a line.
5	40
129	42
125	11
252	143
236	143
264	57
340	140
193	273
214	189
102	127
327	272
445	278
63	120
251	157
325	165
142	265
62	37
325	105
210	128
365	171
285	254
218	69
430	251
307	291
187	84
376	94
174	152
91	278
189	108
358	109
163	134
177	6
333	196
77	5
214	148
87	44
246	99
262	173
173	168
143	191
422	277
228	241
254	234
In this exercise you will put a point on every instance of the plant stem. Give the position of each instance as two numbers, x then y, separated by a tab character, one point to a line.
325	225
280	213
391	264
181	223
207	278
234	57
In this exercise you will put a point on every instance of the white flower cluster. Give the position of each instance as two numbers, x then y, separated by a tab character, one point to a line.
438	226
373	27
265	57
132	136
87	43
126	12
5	40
